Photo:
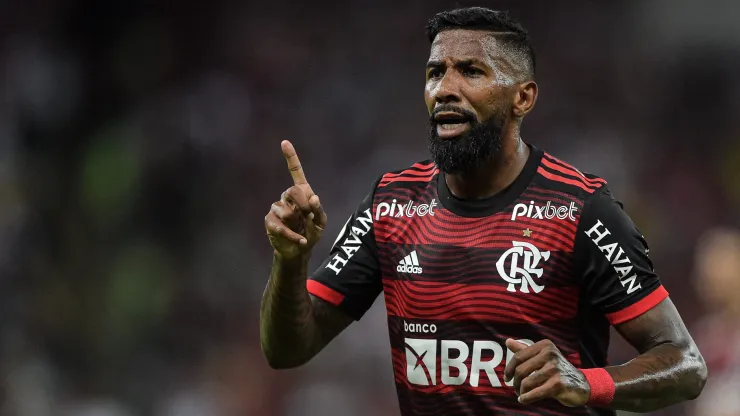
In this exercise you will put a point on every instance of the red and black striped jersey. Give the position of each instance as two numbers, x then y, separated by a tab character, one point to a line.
553	256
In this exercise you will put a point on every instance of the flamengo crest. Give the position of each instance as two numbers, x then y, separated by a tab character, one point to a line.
524	259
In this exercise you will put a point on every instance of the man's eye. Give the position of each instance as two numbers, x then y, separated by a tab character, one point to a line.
434	73
471	72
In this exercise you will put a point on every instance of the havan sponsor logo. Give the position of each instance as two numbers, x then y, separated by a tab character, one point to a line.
362	225
615	254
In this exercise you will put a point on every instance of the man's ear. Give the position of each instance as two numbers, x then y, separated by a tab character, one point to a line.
524	99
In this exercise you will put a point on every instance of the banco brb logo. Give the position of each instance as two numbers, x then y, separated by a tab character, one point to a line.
524	258
421	361
460	362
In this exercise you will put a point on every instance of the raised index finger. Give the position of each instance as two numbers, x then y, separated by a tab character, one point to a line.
294	164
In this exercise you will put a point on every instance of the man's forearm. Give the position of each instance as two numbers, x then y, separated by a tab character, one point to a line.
287	326
662	376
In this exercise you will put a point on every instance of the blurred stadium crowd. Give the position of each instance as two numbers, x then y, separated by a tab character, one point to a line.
139	153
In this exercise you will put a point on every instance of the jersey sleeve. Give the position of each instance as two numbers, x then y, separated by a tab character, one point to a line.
349	277
611	256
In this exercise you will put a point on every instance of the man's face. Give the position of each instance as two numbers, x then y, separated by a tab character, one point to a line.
469	92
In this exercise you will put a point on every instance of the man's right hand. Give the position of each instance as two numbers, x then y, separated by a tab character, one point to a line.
295	222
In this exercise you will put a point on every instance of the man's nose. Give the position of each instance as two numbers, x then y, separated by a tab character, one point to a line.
448	90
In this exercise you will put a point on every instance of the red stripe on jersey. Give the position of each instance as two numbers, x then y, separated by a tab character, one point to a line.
449	227
566	165
568	174
636	309
535	192
491	303
398	234
567	227
326	293
408	172
556	239
415	169
420	291
572	172
558	178
498	392
423	166
385	181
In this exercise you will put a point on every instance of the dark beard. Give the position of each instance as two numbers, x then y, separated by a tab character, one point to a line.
470	151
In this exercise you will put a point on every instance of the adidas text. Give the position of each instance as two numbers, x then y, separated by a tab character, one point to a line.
408	269
409	264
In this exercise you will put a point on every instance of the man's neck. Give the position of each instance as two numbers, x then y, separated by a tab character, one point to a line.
493	177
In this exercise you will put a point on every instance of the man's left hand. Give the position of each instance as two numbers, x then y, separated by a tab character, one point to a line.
540	372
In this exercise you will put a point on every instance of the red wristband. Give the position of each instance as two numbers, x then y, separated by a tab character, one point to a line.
602	387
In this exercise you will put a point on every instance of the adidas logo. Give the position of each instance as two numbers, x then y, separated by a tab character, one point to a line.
409	264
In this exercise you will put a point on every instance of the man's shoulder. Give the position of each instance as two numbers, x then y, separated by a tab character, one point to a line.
558	175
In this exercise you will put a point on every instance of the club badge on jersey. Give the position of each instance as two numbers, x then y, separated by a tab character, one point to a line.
522	260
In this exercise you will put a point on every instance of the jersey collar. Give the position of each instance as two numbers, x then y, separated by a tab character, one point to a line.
496	203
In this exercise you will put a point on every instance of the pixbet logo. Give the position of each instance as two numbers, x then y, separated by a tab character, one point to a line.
421	362
548	211
397	210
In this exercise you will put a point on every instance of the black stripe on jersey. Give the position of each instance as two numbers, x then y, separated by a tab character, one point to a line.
564	333
414	403
465	265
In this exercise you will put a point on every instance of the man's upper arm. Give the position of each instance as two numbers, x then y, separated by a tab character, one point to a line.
349	279
619	282
330	320
659	325
612	260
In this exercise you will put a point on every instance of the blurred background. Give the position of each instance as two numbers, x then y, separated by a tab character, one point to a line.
139	153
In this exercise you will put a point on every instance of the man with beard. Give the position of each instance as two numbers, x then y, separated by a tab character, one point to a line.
502	266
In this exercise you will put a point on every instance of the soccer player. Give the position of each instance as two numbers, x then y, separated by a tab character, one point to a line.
502	266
